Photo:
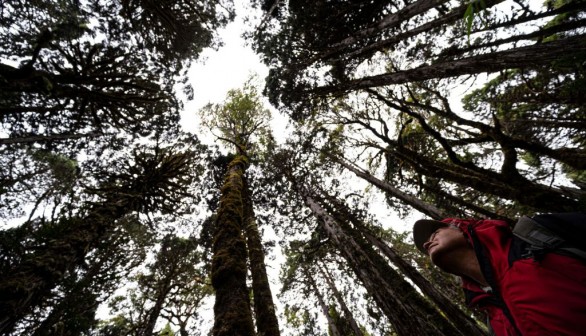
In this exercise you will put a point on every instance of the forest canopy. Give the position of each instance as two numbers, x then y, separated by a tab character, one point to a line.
119	222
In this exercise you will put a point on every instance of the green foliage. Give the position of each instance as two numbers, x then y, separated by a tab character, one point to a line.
474	7
167	331
171	288
241	120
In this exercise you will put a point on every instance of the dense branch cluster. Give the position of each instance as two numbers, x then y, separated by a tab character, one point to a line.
397	110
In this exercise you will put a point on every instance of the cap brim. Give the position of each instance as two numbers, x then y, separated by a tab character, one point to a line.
423	229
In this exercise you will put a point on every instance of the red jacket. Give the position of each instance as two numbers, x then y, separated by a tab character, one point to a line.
528	297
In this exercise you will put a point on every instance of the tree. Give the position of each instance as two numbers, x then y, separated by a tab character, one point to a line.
173	271
347	314
153	182
172	287
456	316
72	69
309	38
240	120
333	328
393	295
73	310
389	91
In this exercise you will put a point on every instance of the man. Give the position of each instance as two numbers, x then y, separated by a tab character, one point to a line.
522	293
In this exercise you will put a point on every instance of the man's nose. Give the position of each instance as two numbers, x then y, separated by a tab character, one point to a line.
426	245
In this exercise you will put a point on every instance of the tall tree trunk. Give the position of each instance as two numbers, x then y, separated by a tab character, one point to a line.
232	314
153	313
324	307
407	311
522	57
462	321
347	313
264	308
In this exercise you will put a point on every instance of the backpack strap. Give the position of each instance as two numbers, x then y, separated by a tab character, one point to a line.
543	240
487	272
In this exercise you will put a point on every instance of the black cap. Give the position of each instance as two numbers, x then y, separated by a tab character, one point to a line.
422	230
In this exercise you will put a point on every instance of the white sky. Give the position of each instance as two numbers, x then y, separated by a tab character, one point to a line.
226	68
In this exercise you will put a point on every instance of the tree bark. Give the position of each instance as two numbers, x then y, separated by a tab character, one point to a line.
153	313
347	313
455	315
411	200
407	311
232	314
324	307
463	322
399	17
264	308
522	57
449	18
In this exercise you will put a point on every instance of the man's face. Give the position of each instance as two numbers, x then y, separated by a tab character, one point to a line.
442	244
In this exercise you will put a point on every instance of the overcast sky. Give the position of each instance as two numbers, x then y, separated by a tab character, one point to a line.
227	68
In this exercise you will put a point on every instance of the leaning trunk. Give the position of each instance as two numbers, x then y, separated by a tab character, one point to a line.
531	56
264	308
462	321
407	311
155	311
413	201
347	313
326	311
232	314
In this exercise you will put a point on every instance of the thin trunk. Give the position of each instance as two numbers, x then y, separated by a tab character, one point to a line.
325	309
449	18
183	330
390	21
535	35
411	200
407	311
232	314
459	205
347	313
264	308
155	311
523	57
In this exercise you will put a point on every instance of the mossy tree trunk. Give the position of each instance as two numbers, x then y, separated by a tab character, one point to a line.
264	308
232	314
